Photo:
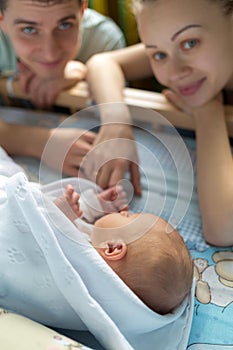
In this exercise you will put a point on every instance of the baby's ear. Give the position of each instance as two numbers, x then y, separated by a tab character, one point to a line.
113	251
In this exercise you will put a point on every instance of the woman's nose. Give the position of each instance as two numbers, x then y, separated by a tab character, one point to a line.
178	69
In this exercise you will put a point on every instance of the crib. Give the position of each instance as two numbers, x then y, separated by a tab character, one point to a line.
158	138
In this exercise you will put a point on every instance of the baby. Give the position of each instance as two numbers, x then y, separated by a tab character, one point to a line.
142	249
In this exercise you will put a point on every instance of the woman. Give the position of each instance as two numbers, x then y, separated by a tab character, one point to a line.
188	47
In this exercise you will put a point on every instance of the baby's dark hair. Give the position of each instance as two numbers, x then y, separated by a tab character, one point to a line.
227	5
4	3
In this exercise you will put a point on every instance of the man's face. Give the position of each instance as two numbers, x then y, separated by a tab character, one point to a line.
45	36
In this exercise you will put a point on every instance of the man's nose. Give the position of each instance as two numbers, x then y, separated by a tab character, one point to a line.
50	48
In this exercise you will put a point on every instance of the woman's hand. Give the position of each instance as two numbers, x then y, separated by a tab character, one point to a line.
179	103
176	101
114	153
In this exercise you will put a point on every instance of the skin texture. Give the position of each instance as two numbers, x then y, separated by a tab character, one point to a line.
188	46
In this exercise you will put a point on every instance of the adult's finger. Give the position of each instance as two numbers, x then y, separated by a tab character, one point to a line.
135	178
118	170
102	176
88	136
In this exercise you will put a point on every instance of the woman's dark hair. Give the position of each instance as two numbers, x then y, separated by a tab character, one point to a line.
227	5
4	3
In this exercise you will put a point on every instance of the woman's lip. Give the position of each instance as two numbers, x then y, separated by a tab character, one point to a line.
192	88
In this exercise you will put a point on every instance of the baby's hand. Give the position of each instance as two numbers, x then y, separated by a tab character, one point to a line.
113	200
69	203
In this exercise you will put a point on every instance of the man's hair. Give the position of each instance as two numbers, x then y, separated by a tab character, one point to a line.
158	268
4	3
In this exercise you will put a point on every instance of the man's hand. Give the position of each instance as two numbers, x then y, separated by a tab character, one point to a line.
43	92
66	148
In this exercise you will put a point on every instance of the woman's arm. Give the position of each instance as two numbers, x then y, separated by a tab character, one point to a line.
214	173
107	72
214	168
106	77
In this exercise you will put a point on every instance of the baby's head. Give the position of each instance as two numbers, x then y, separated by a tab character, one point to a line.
157	267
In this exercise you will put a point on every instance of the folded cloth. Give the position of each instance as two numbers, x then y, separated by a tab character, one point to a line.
7	166
52	274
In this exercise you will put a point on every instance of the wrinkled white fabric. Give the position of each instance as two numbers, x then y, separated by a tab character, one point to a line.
7	166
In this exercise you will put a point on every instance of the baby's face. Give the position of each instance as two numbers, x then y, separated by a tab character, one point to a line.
119	220
126	226
116	220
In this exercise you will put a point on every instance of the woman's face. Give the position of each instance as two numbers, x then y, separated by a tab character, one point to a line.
190	47
45	37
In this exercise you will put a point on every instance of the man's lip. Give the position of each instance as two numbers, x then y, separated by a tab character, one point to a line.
192	88
50	64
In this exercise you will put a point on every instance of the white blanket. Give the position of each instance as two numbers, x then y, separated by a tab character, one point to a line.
52	274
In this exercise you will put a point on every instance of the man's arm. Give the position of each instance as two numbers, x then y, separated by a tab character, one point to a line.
62	148
20	140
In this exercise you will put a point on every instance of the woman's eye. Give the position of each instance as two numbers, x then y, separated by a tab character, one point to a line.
65	25
158	56
29	30
189	44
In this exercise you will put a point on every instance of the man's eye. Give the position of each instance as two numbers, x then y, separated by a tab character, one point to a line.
29	30
65	25
159	56
189	44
